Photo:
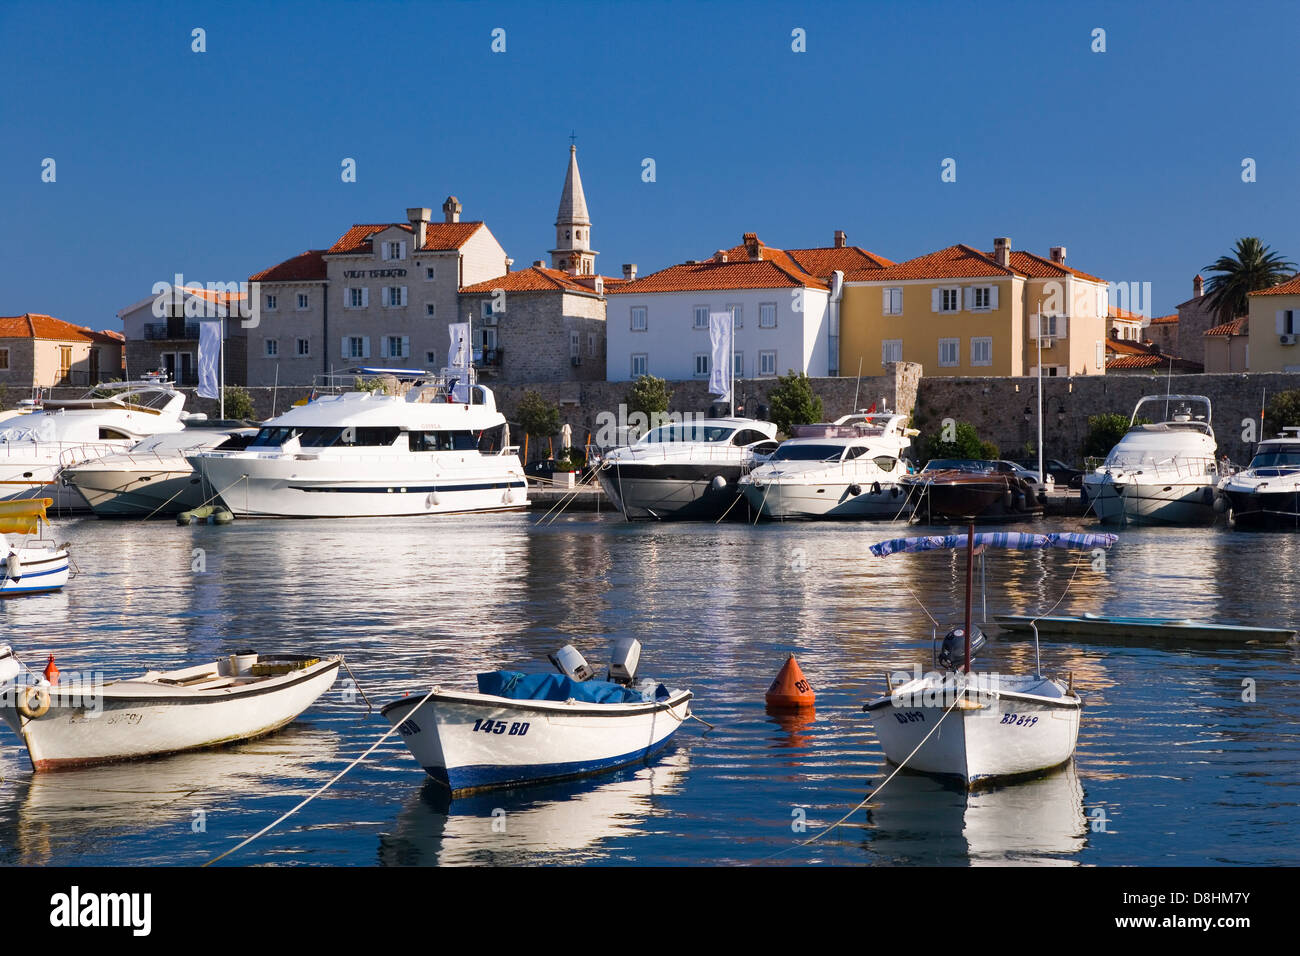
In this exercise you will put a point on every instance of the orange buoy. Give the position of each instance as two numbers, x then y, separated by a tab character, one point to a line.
791	689
51	671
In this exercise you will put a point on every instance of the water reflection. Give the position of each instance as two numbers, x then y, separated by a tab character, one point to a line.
567	822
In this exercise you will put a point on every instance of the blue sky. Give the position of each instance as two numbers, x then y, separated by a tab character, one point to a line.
219	164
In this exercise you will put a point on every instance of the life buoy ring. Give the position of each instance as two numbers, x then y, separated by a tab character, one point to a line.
25	706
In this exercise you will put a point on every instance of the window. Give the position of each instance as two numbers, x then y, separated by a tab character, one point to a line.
701	364
767	315
767	362
1101	355
981	351
302	301
356	346
1288	321
946	300
738	364
271	347
591	343
949	352
397	346
891	350
395	296
639	319
304	347
4	358
701	316
891	301
358	298
575	345
394	250
640	364
429	274
981	298
270	303
431	359
737	315
430	310
485	308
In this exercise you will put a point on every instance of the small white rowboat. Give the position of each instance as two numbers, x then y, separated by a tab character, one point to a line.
25	569
78	723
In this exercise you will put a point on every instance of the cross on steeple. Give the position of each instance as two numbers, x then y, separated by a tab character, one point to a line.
573	137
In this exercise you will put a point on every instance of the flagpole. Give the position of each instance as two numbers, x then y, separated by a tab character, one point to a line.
221	391
731	360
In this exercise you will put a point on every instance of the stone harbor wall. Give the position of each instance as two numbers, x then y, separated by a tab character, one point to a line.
995	406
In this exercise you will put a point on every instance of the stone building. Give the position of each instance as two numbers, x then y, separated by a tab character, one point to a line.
162	333
1195	318
1126	357
1227	347
40	351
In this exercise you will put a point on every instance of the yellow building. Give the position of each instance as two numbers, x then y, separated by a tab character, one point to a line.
963	312
1274	328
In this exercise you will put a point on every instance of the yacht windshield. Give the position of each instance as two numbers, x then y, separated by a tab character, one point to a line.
1280	456
791	452
315	437
693	432
958	464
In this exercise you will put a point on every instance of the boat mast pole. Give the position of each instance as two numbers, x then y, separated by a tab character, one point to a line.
970	581
222	351
731	360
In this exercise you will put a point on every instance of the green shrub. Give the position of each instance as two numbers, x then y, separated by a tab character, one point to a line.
792	402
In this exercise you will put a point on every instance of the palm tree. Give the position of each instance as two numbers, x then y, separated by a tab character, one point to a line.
1253	268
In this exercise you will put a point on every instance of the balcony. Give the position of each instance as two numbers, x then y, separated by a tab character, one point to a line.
174	331
489	358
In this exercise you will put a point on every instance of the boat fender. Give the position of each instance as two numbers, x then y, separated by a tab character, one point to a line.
1007	499
222	516
875	487
1207	494
14	566
433	499
718	483
33	702
1220	505
508	497
894	491
1021	502
855	490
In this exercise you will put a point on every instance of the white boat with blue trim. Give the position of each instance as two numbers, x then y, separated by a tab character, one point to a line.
522	729
439	448
980	728
26	566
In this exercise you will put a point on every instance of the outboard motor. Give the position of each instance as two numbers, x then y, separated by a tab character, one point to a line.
571	664
624	660
952	655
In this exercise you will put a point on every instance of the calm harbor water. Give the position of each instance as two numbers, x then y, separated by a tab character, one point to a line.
1173	767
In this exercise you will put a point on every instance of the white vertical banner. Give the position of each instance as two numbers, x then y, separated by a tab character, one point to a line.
458	354
720	374
209	357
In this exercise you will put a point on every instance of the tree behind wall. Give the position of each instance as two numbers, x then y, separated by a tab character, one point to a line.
1252	267
1283	412
648	395
537	416
966	443
792	402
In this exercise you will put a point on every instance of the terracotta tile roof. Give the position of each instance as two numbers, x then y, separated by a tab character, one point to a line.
823	261
438	237
1036	267
1165	319
305	267
1117	313
532	279
34	325
1123	354
955	262
1290	287
1129	347
1238	326
711	275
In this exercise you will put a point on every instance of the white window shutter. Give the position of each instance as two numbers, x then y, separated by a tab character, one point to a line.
401	250
1061	330
365	346
343	348
935	300
1101	354
406	346
1103	303
968	298
1281	322
403	295
1035	323
993	297
365	297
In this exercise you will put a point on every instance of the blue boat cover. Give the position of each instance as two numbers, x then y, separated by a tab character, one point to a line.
519	686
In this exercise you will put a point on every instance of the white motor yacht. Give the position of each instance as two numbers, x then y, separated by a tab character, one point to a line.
108	419
367	454
1267	493
684	471
847	469
154	477
1160	473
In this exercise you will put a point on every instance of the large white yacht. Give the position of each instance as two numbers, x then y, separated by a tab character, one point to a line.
154	477
1160	473
689	470
1267	493
847	469
108	419
366	454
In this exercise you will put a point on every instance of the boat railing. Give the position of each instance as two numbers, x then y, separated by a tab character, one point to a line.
1179	466
75	454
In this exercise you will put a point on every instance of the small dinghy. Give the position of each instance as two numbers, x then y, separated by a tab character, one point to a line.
978	728
81	722
1097	627
528	728
28	567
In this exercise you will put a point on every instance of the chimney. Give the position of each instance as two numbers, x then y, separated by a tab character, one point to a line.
1058	255
451	210
1002	252
1198	286
629	271
419	218
720	256
539	263
840	239
750	239
509	262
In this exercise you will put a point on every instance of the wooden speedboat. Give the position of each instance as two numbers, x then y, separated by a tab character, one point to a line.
78	722
1091	626
529	728
978	728
960	489
29	567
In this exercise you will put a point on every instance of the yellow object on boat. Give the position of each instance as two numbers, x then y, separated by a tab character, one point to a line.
23	515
